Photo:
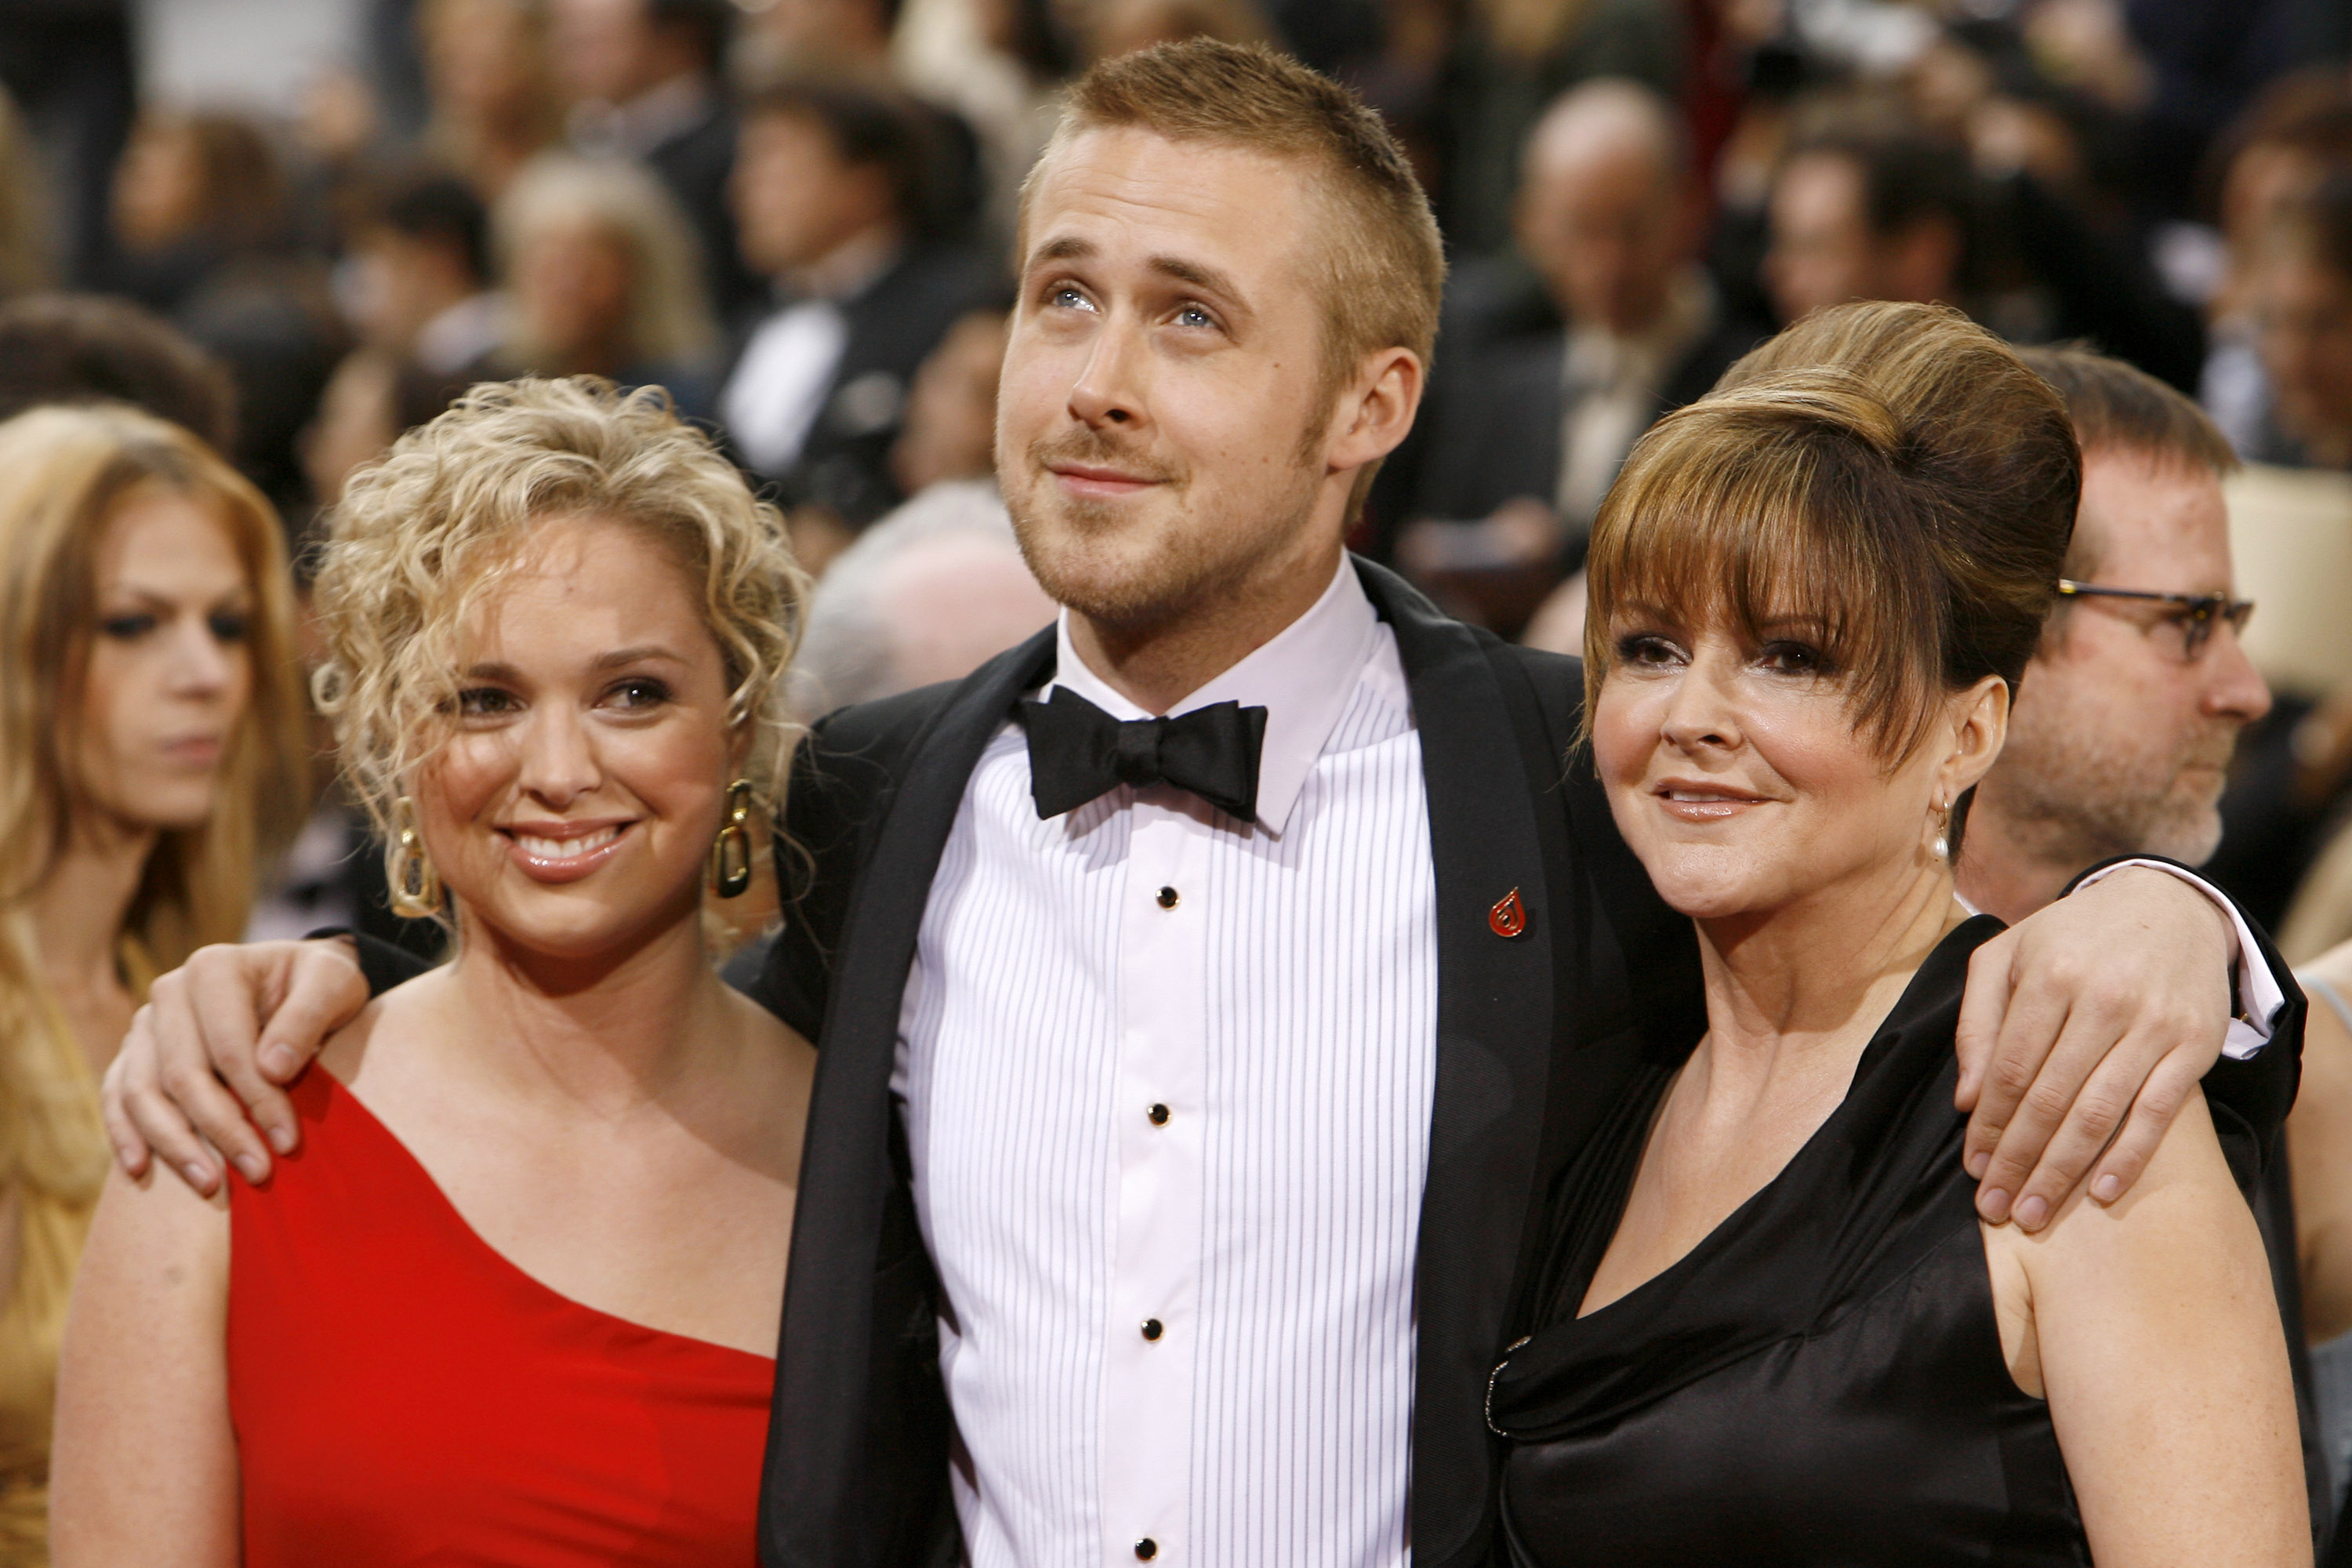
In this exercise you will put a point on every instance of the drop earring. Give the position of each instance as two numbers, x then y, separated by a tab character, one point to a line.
416	886
1942	847
730	853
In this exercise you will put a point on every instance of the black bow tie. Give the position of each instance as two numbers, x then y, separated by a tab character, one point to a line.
1077	752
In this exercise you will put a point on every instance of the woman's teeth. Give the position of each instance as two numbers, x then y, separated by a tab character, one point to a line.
566	848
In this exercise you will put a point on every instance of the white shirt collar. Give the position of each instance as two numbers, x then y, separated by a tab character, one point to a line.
1303	679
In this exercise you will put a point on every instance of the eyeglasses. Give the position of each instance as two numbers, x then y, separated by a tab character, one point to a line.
2194	613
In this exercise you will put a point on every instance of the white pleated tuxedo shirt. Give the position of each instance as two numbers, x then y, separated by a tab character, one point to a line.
1166	1079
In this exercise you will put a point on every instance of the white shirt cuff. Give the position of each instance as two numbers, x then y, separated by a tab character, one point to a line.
2258	989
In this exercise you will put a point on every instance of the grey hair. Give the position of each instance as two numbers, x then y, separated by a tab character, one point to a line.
849	651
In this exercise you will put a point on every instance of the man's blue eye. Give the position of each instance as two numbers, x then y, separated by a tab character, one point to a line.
1194	316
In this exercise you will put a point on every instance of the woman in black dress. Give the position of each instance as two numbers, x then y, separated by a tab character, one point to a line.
1772	1328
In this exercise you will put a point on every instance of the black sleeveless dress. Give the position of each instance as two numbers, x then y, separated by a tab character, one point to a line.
1819	1382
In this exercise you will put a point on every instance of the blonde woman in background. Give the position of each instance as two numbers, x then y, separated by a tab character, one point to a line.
149	748
605	278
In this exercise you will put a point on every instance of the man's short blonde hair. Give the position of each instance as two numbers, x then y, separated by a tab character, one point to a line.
420	537
1382	264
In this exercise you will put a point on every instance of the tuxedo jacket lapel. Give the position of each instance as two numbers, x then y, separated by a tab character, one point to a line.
1496	1018
851	1381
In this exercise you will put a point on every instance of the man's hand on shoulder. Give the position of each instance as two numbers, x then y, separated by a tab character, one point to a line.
217	1038
2083	1030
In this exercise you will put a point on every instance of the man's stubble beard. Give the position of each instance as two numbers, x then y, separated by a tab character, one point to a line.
1073	545
2073	799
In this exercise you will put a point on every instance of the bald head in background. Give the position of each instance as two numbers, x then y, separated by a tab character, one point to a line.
1607	211
928	594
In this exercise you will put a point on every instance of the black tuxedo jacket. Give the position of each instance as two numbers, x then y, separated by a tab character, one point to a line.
894	325
1535	1034
1495	422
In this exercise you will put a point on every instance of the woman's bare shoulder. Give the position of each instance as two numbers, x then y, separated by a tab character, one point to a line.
153	1232
378	1034
2187	1193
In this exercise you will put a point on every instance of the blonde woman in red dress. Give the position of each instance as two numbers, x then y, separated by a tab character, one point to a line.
515	1298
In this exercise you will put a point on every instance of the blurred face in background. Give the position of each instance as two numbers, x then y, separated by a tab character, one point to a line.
159	185
1821	237
2121	741
483	58
955	603
950	429
571	282
356	421
797	199
399	282
823	27
602	50
1824	252
1604	224
2302	316
169	672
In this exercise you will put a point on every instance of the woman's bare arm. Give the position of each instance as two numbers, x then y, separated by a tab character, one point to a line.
2319	1152
144	1469
2151	1327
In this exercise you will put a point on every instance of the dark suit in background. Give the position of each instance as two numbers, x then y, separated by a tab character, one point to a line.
695	161
892	325
1498	403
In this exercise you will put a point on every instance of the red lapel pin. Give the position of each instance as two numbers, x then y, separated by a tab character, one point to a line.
1508	917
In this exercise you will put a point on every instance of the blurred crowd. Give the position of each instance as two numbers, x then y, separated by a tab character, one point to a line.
797	216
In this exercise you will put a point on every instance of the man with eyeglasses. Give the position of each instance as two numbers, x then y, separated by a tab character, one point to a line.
2124	723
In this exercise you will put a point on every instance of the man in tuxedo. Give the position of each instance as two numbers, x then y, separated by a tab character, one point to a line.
833	200
1205	987
1561	355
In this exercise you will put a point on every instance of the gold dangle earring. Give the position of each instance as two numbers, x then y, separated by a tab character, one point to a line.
1942	847
730	856
415	886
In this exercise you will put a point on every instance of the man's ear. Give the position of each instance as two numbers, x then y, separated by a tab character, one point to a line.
1376	411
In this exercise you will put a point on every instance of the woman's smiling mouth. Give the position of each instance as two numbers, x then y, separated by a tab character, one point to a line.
1693	802
563	852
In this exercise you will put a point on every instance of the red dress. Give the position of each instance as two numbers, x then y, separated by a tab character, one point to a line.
402	1394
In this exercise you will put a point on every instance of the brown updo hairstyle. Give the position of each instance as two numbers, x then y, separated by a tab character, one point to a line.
1893	475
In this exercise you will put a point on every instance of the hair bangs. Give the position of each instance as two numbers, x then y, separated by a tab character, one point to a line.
1765	515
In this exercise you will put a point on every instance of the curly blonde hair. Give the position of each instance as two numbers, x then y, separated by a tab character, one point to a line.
424	533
